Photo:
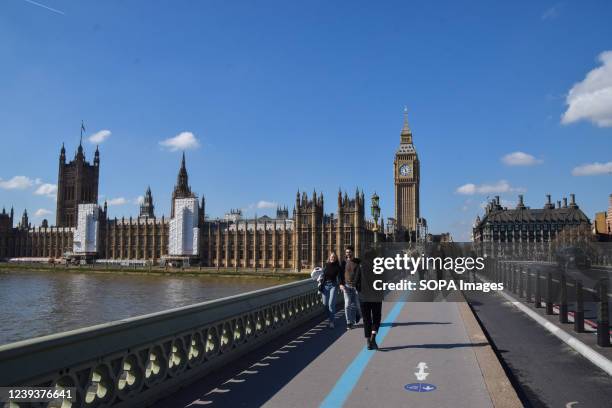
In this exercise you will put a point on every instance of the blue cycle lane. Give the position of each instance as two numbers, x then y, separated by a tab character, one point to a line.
344	386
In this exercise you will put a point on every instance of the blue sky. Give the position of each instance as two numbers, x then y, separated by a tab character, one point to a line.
280	96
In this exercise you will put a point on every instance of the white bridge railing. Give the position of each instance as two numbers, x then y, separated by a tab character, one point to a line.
133	362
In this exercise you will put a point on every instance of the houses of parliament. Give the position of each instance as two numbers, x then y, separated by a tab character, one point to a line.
302	239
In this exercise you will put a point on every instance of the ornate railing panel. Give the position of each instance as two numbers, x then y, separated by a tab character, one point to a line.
135	361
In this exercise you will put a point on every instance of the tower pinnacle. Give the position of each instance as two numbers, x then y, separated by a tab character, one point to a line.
147	207
181	189
182	180
80	154
406	135
97	156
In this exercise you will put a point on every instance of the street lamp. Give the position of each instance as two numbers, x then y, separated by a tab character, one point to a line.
375	208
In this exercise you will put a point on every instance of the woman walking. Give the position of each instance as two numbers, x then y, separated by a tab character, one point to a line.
331	278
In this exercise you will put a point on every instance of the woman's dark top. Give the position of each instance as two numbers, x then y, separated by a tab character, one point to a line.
332	272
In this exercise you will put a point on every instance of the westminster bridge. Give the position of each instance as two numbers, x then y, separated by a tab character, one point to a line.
271	347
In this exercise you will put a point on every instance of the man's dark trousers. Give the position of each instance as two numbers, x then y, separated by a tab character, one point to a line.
371	313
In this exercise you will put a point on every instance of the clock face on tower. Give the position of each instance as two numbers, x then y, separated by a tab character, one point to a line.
404	170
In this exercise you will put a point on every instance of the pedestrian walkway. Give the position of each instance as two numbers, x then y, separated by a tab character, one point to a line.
322	367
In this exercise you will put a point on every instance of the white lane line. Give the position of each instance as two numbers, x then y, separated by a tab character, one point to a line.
586	351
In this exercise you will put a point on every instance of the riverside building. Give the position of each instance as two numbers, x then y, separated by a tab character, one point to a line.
289	241
530	232
84	230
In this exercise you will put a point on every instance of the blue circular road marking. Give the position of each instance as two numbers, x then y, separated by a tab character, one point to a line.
420	387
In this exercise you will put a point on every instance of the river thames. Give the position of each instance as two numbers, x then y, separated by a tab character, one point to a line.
34	304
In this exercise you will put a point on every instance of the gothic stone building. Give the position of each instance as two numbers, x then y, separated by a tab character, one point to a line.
302	241
602	223
145	237
6	234
77	183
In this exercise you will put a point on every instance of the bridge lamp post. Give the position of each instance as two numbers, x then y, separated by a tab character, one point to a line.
375	208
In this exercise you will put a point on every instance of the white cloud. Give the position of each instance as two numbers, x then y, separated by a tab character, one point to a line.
16	183
182	141
122	200
99	137
41	212
520	159
501	186
117	201
266	204
47	189
469	188
593	169
591	99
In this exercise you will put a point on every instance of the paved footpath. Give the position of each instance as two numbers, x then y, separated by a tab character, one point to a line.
321	367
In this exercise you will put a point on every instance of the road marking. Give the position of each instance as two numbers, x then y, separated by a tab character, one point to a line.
347	381
590	354
571	404
218	391
233	380
420	387
421	375
200	402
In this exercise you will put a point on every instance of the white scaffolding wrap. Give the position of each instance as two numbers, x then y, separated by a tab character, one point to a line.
184	231
86	233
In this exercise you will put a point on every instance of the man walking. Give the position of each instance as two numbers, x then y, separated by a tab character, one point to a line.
352	268
371	300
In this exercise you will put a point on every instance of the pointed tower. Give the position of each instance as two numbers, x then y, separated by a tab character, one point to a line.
307	235
77	183
97	157
181	189
62	157
406	134
79	154
203	209
25	222
147	209
406	170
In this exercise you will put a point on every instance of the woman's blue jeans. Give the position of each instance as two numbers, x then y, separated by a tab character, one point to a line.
329	299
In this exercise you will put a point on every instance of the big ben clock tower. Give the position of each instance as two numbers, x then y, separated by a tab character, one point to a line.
406	172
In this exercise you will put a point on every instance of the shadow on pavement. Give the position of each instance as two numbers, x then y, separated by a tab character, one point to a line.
259	375
433	346
398	324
